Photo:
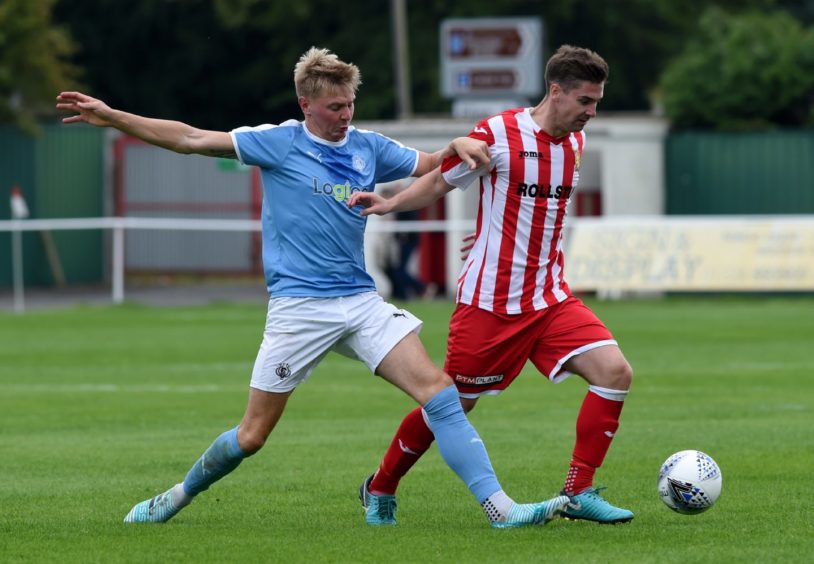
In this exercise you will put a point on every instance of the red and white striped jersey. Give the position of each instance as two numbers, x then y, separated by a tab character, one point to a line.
516	264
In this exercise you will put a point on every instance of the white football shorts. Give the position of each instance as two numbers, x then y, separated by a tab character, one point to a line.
301	331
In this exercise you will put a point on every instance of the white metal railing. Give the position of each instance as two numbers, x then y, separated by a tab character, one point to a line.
118	225
610	255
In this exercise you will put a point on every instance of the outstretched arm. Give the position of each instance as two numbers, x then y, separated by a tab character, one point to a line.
419	194
173	135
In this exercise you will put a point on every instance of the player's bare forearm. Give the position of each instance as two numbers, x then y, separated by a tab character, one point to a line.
435	159
473	152
173	135
421	193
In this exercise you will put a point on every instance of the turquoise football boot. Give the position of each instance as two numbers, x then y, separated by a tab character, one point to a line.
158	509
590	506
379	509
524	514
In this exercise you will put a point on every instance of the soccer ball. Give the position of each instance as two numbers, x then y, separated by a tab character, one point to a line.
689	482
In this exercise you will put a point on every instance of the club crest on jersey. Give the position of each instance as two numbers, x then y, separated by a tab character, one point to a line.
358	163
577	158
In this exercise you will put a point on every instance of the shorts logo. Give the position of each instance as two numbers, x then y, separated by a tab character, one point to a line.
478	380
283	370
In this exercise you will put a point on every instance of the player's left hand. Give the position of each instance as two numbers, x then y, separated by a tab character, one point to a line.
474	152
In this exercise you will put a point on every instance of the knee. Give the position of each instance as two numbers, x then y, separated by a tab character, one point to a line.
428	385
620	376
616	375
468	404
250	440
433	379
437	382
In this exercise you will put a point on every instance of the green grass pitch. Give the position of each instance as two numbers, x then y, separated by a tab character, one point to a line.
103	407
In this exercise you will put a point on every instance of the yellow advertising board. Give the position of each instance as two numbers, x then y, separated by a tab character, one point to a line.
721	253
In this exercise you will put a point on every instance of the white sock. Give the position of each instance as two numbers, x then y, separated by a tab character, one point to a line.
497	506
179	496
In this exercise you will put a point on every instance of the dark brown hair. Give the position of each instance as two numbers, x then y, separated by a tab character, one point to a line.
570	65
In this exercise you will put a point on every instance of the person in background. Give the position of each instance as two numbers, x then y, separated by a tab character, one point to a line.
405	285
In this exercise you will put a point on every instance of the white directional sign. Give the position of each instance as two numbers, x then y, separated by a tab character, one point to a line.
491	56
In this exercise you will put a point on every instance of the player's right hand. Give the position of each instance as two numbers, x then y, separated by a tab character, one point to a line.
87	109
372	203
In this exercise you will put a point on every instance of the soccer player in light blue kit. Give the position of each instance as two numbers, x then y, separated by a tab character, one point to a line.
321	297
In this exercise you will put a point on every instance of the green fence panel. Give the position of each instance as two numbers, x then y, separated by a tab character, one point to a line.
740	173
70	182
61	174
16	169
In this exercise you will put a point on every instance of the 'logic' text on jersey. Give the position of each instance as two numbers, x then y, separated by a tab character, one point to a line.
339	192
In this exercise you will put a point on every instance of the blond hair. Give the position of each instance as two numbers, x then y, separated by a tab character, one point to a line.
319	70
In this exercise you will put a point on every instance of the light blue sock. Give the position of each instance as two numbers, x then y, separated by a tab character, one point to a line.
460	445
222	456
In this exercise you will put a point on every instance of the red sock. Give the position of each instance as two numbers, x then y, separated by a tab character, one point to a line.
597	422
412	439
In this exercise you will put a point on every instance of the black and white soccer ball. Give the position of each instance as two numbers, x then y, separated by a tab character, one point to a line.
690	482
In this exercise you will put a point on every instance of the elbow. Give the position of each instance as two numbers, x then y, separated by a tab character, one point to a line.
192	142
181	146
185	145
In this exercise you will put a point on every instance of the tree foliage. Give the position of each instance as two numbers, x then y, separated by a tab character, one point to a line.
745	71
33	61
223	63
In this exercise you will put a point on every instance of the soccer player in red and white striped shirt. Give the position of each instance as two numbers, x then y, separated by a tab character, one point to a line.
513	303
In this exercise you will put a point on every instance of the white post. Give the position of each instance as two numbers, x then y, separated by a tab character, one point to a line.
401	59
17	268
118	264
456	210
19	210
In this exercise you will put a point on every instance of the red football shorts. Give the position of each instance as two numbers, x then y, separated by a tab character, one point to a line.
486	350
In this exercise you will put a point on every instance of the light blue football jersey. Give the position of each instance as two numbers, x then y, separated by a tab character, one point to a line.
313	243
